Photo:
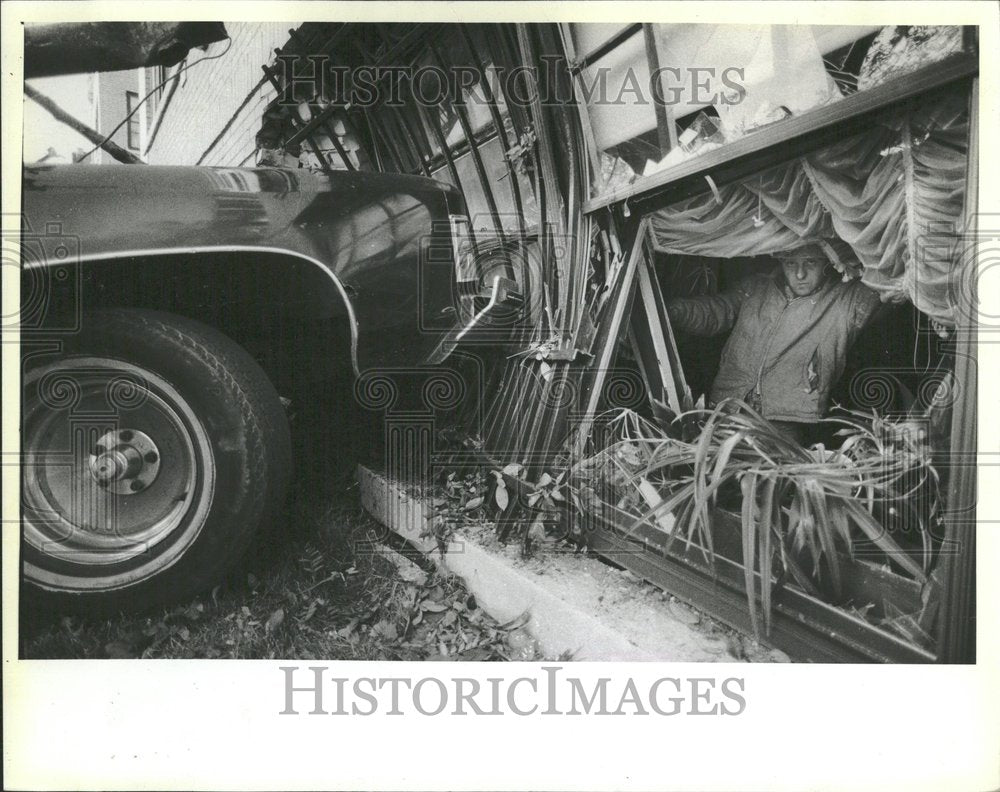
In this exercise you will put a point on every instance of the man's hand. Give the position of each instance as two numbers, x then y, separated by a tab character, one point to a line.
709	315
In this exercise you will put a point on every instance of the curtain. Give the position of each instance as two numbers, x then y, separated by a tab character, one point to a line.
887	204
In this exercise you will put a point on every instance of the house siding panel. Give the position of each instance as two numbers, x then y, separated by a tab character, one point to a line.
209	97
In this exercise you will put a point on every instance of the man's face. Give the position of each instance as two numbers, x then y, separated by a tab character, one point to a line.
805	275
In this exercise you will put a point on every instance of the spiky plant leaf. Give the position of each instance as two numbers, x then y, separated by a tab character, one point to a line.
748	483
809	497
766	519
886	543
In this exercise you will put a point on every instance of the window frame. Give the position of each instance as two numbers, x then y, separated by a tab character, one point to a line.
133	128
793	135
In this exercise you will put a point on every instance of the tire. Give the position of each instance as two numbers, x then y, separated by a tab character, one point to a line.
155	448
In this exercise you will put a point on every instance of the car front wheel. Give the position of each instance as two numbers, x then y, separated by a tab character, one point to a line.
154	449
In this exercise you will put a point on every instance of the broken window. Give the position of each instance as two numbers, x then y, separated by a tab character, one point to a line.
847	525
657	96
612	218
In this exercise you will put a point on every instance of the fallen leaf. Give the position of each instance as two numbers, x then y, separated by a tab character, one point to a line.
475	503
118	650
310	611
274	621
385	629
476	653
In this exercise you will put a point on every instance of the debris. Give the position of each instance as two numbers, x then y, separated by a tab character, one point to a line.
683	612
523	645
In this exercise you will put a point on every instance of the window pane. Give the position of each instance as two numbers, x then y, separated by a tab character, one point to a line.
132	127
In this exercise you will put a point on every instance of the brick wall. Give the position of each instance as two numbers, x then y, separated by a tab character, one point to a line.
209	96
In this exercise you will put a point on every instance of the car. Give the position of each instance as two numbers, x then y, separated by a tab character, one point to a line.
166	312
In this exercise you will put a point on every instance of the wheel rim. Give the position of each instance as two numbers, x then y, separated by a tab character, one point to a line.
118	474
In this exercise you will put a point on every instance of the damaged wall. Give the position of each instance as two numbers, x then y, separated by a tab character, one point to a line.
214	113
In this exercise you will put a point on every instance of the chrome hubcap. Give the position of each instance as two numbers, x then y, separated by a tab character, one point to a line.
118	476
125	461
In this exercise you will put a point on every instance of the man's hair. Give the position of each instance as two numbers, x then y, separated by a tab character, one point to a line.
810	252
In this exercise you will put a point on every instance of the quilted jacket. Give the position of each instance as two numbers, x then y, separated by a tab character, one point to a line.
785	353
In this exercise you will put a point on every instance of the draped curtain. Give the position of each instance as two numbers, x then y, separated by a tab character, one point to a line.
886	204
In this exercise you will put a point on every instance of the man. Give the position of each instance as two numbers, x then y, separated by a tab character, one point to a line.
790	335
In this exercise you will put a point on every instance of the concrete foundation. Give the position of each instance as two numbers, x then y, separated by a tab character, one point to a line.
577	604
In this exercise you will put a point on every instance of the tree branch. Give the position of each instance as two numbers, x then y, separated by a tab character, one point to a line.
92	135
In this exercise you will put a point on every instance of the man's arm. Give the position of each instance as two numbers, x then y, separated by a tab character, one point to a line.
709	315
865	305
